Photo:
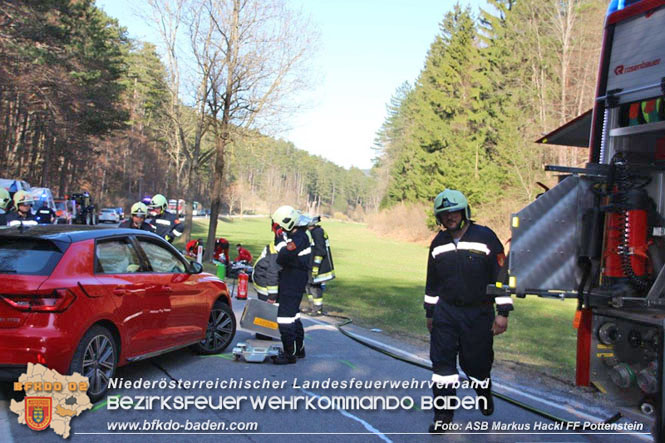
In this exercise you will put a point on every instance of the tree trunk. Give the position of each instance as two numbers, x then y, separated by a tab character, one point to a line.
220	147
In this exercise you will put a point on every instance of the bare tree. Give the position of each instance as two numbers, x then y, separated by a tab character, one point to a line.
244	58
263	47
186	128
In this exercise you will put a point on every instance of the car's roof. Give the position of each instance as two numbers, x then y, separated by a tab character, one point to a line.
70	233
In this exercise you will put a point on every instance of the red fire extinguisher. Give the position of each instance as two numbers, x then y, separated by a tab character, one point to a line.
627	239
243	281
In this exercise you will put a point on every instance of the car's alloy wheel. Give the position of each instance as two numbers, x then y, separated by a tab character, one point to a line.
96	358
220	331
98	363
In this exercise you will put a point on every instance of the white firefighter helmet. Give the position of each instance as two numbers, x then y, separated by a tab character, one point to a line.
286	216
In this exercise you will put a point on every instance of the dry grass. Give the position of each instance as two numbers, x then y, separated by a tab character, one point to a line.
497	216
408	222
404	221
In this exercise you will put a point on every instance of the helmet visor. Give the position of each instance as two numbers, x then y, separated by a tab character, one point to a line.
448	205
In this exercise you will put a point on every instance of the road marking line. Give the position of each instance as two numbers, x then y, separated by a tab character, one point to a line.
227	356
366	425
348	363
101	404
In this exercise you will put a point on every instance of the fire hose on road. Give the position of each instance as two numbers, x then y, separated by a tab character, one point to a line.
427	365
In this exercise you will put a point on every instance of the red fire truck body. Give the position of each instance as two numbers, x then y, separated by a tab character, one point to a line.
605	223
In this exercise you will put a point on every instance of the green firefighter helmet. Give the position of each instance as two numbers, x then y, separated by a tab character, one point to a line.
451	200
139	209
4	198
286	216
22	198
158	201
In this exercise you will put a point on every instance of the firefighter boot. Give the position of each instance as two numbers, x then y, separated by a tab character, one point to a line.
442	417
287	356
488	409
300	340
300	350
284	359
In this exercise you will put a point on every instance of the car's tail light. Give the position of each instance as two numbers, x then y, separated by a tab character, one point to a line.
56	301
59	213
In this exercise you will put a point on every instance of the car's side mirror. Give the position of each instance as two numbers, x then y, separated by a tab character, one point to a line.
196	267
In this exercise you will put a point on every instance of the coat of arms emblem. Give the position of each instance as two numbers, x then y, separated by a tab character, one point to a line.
38	412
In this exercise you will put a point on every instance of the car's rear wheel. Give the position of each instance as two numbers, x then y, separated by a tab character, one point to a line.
221	329
96	357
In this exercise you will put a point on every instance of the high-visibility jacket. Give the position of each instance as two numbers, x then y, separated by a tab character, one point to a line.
323	268
168	225
295	263
14	219
458	274
266	271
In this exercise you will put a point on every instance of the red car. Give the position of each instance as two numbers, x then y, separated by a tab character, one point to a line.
86	299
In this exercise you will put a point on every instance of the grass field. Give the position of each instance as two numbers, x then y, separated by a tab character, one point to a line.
380	284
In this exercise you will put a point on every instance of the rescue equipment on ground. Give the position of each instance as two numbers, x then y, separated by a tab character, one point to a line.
256	351
243	280
260	316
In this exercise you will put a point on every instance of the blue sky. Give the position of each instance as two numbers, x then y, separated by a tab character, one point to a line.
367	49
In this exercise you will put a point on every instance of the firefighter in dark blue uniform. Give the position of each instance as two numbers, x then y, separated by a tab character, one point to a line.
45	215
22	216
294	256
323	269
463	259
137	218
168	225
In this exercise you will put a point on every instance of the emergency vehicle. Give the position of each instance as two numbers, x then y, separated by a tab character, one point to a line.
605	223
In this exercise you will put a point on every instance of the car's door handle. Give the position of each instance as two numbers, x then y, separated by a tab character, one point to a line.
119	292
167	289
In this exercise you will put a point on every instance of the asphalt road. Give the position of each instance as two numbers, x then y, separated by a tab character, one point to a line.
330	356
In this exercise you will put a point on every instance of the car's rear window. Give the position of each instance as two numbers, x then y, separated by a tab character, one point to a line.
28	256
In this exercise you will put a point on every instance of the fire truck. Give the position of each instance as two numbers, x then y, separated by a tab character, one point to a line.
605	223
177	207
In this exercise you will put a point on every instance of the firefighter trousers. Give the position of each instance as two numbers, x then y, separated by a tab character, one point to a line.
288	319
315	294
464	331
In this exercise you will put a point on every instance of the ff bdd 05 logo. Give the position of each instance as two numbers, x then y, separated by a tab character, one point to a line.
38	412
